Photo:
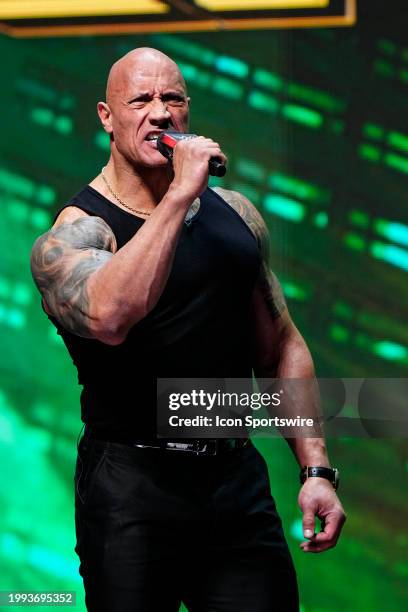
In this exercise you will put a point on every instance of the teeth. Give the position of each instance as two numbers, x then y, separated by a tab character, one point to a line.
152	137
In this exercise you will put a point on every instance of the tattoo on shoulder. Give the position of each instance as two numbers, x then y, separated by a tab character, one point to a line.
268	281
62	260
247	211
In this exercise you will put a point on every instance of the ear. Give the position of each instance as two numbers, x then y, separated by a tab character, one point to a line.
105	116
188	107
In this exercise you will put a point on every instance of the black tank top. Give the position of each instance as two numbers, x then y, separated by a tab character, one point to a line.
198	328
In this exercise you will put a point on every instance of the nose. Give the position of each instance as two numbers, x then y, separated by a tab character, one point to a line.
158	111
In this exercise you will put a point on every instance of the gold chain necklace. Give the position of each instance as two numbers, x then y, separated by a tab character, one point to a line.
134	210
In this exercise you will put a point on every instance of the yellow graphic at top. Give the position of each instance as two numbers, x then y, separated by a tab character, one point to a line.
36	18
37	9
247	5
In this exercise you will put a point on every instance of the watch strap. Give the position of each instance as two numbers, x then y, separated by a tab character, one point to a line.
331	474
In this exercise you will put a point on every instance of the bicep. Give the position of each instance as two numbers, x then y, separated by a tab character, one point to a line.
63	260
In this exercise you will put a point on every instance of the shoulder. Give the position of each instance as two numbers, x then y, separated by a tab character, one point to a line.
69	215
75	222
74	228
249	213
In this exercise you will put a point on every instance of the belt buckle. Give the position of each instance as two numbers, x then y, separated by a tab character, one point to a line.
197	447
179	446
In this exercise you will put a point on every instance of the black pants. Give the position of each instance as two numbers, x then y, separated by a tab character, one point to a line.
157	527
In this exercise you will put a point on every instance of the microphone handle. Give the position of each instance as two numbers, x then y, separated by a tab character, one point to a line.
216	168
167	142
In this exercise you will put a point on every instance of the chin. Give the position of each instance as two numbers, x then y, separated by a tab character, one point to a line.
157	164
152	159
152	164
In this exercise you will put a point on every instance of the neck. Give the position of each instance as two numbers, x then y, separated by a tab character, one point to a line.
141	187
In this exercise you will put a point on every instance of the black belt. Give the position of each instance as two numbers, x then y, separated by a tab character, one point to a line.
206	447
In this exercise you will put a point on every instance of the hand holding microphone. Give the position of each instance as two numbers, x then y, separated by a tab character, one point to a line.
168	140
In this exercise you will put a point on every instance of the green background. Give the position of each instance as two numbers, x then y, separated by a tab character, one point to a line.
315	126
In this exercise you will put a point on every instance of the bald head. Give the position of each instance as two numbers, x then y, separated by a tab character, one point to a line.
145	93
141	63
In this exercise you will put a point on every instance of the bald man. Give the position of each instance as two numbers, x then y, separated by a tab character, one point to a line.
147	274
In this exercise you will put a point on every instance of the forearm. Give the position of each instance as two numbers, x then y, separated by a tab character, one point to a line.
279	352
129	285
295	362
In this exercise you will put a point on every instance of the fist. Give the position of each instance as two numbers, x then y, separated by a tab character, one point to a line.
190	165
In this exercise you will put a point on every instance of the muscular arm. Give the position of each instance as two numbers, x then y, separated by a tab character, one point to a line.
280	351
62	260
95	290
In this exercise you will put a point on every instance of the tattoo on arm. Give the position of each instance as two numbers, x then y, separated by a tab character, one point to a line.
268	282
62	260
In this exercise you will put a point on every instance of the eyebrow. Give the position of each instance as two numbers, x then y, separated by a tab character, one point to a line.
146	96
142	97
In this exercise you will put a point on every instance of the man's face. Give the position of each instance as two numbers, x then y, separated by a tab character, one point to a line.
146	98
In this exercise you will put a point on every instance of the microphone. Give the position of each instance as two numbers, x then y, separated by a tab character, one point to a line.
168	140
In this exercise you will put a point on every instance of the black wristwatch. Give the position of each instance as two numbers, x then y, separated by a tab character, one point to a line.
331	474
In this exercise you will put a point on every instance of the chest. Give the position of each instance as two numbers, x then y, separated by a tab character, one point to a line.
216	251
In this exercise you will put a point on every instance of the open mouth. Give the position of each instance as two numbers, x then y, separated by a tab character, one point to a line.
152	138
